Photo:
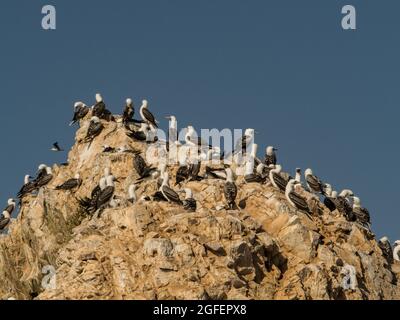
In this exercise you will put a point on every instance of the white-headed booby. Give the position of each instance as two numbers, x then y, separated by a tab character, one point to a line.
94	129
314	184
167	192
80	111
70	184
270	156
295	199
146	115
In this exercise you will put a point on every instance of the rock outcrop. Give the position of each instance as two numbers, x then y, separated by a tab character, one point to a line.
156	250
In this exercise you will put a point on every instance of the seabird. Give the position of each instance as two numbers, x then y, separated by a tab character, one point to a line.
182	174
99	109
142	169
95	128
276	178
44	179
270	156
80	111
384	245
230	189
361	214
11	205
140	135
89	204
167	192
132	193
298	175
129	112
396	250
295	199
146	115
189	203
106	193
343	205
28	187
56	147
71	183
330	198
173	130
251	176
313	182
5	217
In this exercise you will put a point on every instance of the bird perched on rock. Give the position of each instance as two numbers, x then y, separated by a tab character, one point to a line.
5	217
139	135
343	204
189	203
250	176
167	192
361	214
99	109
276	178
71	184
106	193
314	184
80	111
295	200
28	187
142	169
94	129
230	189
270	156
129	112
384	245
330	197
132	198
43	178
396	250
146	115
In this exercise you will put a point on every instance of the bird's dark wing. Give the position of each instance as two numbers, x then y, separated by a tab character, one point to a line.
182	174
194	170
105	196
4	222
43	181
10	208
94	130
280	181
230	191
299	201
139	165
149	117
189	204
170	194
314	183
69	184
329	203
253	178
270	160
98	109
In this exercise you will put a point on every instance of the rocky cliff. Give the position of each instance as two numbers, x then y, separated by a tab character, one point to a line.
156	250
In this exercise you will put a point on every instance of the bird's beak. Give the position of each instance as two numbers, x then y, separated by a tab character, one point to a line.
169	117
275	149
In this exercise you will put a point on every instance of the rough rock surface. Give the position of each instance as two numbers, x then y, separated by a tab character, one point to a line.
156	250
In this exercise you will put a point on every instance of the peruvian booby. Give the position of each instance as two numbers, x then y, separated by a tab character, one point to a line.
167	192
80	111
5	219
139	135
182	174
270	156
89	204
142	169
251	176
189	203
215	173
314	184
330	198
28	187
99	109
146	115
230	189
343	204
396	250
11	205
129	111
70	184
44	179
385	246
94	129
276	178
295	199
361	214
56	147
106	193
298	175
132	198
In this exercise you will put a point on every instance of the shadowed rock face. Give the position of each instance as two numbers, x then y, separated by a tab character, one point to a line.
156	250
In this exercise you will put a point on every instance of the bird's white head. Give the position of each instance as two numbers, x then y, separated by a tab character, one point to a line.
95	119
110	181
42	166
308	172
384	240
334	194
278	168
129	102
249	132
397	242
99	98
189	193
346	193
145	104
11	202
77	176
102	183
356	201
270	151
78	105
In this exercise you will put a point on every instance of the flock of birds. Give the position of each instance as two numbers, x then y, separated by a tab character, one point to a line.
198	151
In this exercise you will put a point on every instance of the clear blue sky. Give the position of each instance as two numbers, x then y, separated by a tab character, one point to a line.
328	98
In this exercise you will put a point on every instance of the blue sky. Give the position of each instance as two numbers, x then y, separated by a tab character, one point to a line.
328	98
